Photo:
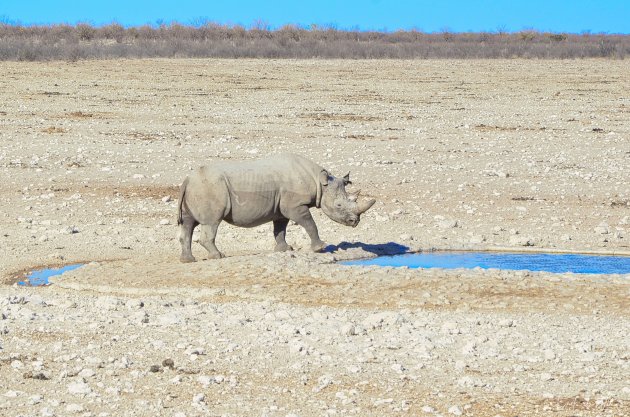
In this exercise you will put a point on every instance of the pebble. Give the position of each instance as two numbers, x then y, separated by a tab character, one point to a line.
519	240
79	388
455	410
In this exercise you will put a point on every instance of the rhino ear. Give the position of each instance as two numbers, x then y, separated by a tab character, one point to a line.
346	179
323	177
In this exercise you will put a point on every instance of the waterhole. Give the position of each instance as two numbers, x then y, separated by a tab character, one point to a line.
548	262
40	277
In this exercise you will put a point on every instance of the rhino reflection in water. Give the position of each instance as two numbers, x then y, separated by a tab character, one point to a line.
250	193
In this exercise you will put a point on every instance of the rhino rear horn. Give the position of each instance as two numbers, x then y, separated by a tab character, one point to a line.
354	196
365	205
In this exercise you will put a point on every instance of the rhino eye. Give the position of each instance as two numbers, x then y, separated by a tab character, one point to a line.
338	204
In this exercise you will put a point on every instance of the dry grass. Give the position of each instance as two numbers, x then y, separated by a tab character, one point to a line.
83	41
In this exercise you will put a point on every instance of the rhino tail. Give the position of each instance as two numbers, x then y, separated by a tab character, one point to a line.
180	205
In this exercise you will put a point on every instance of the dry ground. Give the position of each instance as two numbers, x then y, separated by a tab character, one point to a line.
527	155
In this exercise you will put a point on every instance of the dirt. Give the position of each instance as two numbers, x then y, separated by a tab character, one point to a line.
486	155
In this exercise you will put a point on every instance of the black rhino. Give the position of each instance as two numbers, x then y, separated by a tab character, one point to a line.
250	193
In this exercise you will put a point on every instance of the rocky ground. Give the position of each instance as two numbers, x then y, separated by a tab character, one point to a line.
527	155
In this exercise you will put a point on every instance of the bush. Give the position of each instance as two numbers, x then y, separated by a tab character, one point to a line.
207	39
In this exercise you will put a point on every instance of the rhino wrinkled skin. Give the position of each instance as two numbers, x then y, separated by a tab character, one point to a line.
250	193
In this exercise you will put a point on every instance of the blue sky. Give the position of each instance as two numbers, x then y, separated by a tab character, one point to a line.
610	16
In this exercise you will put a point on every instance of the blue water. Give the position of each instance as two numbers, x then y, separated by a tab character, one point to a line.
40	277
579	264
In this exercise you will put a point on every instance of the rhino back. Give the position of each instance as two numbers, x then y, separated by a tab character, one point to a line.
259	188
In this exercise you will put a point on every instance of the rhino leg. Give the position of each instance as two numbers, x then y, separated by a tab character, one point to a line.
207	237
185	238
302	216
280	232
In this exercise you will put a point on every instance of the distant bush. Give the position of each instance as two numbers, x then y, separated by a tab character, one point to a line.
208	39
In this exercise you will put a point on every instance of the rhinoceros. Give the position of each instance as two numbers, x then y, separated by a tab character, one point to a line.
249	193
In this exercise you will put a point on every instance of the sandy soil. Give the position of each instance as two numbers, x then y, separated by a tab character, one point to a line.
527	155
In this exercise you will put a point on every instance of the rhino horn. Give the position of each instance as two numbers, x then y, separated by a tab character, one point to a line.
364	206
353	196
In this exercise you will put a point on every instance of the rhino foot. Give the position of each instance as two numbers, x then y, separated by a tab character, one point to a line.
318	247
217	255
187	259
283	248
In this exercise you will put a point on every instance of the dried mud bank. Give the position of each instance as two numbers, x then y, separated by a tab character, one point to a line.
459	154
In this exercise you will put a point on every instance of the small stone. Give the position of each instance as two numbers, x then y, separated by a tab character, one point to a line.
519	240
546	377
602	229
74	408
447	224
87	373
168	363
35	375
167	199
456	410
79	388
205	380
71	230
428	409
199	398
165	222
348	330
155	368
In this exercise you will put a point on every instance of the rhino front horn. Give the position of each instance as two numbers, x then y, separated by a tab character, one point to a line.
365	205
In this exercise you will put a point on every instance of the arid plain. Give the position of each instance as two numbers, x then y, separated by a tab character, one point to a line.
531	155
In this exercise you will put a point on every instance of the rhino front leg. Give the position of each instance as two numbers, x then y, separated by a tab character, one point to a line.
280	232
302	216
207	237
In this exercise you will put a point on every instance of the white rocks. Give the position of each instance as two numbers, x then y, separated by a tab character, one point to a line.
428	409
165	222
79	388
450	327
377	320
602	229
167	199
199	398
506	323
74	408
469	381
383	401
443	223
469	348
477	239
519	240
71	230
455	410
169	319
87	373
545	377
348	329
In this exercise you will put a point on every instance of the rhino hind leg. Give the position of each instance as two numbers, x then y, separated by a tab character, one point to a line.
186	228
280	232
207	237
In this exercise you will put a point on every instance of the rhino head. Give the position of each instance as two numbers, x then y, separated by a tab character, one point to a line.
339	205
